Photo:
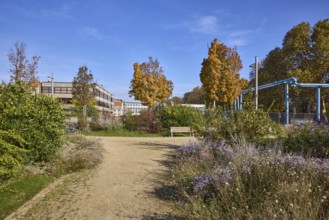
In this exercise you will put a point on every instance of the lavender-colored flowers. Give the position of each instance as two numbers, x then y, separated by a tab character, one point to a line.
319	165
222	175
219	176
221	148
201	182
295	162
189	149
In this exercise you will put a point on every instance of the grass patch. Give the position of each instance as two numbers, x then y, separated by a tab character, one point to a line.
121	133
17	192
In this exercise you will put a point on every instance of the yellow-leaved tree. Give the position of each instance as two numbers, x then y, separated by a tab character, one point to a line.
149	84
219	74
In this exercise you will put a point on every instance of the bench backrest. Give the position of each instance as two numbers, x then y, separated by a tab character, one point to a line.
180	129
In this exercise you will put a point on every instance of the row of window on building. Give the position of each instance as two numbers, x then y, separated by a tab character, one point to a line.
57	90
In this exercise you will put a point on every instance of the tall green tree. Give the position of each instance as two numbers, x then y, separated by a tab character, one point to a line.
22	68
149	84
84	92
196	96
219	74
304	55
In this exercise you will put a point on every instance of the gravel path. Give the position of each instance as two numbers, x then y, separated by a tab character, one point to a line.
124	186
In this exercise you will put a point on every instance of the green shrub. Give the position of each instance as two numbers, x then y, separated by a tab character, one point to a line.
309	140
11	152
38	119
148	122
130	121
249	125
178	115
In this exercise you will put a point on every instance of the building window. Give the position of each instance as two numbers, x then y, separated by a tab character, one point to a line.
45	89
63	90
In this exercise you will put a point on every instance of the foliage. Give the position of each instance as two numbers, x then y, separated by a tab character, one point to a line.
145	122
129	121
19	191
38	119
148	122
12	147
219	181
245	125
311	140
196	96
21	67
219	74
176	100
302	55
84	92
178	115
149	84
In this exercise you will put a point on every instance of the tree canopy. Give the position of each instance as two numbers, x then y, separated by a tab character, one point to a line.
84	92
219	74
22	68
196	96
149	84
304	54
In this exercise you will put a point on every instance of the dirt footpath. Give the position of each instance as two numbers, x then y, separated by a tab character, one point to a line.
123	187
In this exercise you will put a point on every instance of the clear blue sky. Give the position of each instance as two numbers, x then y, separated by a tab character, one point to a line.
110	35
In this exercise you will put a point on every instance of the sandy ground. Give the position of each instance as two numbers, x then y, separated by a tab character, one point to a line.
127	185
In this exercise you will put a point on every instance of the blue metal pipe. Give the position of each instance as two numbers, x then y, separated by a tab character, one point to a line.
234	105
312	85
241	99
292	81
318	104
286	95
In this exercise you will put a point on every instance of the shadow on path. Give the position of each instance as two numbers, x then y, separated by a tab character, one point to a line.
164	191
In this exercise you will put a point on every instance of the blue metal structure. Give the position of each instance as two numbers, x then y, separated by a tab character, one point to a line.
293	82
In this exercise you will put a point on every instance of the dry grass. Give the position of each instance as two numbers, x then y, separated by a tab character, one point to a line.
79	153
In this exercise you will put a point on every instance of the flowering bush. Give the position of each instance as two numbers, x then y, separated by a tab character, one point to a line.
245	182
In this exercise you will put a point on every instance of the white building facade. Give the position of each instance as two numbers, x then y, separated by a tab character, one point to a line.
134	107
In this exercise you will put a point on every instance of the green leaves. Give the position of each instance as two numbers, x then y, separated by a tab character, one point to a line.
84	92
304	54
38	119
12	148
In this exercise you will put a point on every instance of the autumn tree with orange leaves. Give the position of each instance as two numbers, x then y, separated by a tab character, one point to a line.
219	74
149	84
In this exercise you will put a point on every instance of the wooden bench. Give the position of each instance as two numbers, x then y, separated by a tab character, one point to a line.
180	130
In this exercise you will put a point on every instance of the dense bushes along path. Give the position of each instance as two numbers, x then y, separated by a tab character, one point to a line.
123	187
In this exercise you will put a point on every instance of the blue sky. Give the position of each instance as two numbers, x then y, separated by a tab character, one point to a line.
110	35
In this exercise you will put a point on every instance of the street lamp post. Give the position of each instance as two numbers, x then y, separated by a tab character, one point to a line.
51	77
256	82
